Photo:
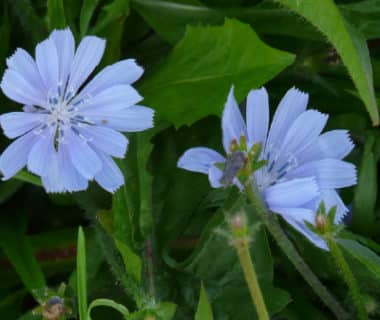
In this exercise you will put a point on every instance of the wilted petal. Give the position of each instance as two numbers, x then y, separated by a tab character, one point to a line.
291	106
16	124
199	159
291	194
84	159
14	158
87	57
110	177
232	122
122	72
330	173
257	116
106	140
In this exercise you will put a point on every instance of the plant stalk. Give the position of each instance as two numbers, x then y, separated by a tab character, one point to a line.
242	249
274	228
347	275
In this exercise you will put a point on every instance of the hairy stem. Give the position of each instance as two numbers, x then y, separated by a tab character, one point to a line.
273	226
347	276
242	249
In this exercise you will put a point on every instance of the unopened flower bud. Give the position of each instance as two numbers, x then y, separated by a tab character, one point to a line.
321	222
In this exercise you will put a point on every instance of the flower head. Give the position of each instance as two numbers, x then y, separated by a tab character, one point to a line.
302	166
69	130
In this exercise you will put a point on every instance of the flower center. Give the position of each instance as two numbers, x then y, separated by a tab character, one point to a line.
278	165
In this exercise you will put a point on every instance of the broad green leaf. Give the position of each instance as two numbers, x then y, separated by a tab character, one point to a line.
348	42
365	198
88	8
107	303
364	255
194	80
56	14
18	249
132	261
81	276
117	9
204	311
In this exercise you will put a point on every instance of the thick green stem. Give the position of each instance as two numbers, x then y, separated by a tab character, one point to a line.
273	226
242	249
347	276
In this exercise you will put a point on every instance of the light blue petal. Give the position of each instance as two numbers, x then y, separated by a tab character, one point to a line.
131	119
65	44
106	140
41	153
111	99
302	228
335	144
16	124
87	57
26	67
14	158
291	194
291	106
298	214
48	65
257	116
17	88
331	199
52	180
214	176
199	159
84	159
330	173
232	122
303	132
60	175
122	72
110	177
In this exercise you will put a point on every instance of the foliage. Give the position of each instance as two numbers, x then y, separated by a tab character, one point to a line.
150	251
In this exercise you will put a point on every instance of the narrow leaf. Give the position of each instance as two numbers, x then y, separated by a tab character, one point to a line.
204	311
56	14
107	303
348	42
132	261
86	13
81	275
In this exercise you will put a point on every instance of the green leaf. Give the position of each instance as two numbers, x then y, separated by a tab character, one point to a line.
194	80
107	303
81	275
86	13
132	261
364	255
204	311
26	176
348	42
117	9
365	198
8	188
17	247
56	14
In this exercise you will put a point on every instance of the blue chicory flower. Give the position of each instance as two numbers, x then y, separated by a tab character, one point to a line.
303	168
69	130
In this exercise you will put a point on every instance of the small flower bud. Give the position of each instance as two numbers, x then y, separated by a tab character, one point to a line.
321	222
